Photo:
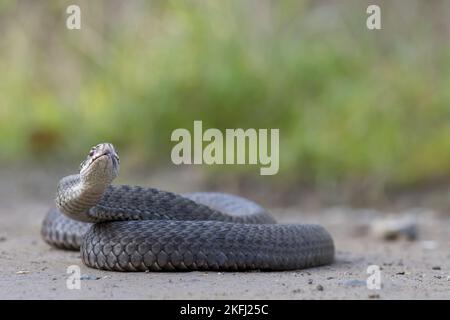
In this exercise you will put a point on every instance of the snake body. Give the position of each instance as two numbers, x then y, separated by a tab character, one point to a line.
131	228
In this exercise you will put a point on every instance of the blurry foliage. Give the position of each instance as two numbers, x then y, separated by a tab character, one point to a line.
350	103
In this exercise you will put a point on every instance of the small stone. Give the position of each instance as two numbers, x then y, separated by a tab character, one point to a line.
310	281
319	287
394	228
374	296
329	278
401	273
22	272
89	277
436	268
296	291
2	238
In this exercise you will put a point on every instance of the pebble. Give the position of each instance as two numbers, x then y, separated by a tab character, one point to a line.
22	272
436	268
310	281
319	287
374	296
394	228
89	277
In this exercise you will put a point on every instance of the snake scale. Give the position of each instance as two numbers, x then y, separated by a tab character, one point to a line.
131	228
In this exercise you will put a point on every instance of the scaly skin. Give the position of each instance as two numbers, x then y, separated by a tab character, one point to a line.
124	228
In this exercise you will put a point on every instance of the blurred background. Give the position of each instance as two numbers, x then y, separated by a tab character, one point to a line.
364	116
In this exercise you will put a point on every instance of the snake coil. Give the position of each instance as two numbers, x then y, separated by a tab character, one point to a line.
130	228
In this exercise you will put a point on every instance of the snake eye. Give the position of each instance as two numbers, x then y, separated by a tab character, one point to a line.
91	153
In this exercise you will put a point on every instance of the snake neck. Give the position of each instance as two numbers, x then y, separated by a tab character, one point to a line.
75	196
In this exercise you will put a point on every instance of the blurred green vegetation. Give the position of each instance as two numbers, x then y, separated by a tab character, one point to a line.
350	103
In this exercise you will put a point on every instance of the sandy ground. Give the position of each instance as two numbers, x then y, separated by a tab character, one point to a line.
30	269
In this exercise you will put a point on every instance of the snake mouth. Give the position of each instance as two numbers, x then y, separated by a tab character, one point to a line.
106	154
111	156
98	157
91	161
102	151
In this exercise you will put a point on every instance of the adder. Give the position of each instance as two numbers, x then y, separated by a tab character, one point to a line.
132	228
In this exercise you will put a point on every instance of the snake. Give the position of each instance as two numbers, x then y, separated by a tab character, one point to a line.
134	228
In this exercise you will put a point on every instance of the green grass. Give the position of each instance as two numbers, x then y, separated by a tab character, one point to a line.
350	104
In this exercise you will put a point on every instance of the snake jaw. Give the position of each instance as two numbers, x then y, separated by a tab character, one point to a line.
101	166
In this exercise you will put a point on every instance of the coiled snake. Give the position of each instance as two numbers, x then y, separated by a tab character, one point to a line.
127	228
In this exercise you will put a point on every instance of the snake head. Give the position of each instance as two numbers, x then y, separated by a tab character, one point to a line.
101	165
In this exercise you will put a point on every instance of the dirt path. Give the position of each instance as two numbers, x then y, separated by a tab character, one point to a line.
409	269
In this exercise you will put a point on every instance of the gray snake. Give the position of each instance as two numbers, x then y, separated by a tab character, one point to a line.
131	228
